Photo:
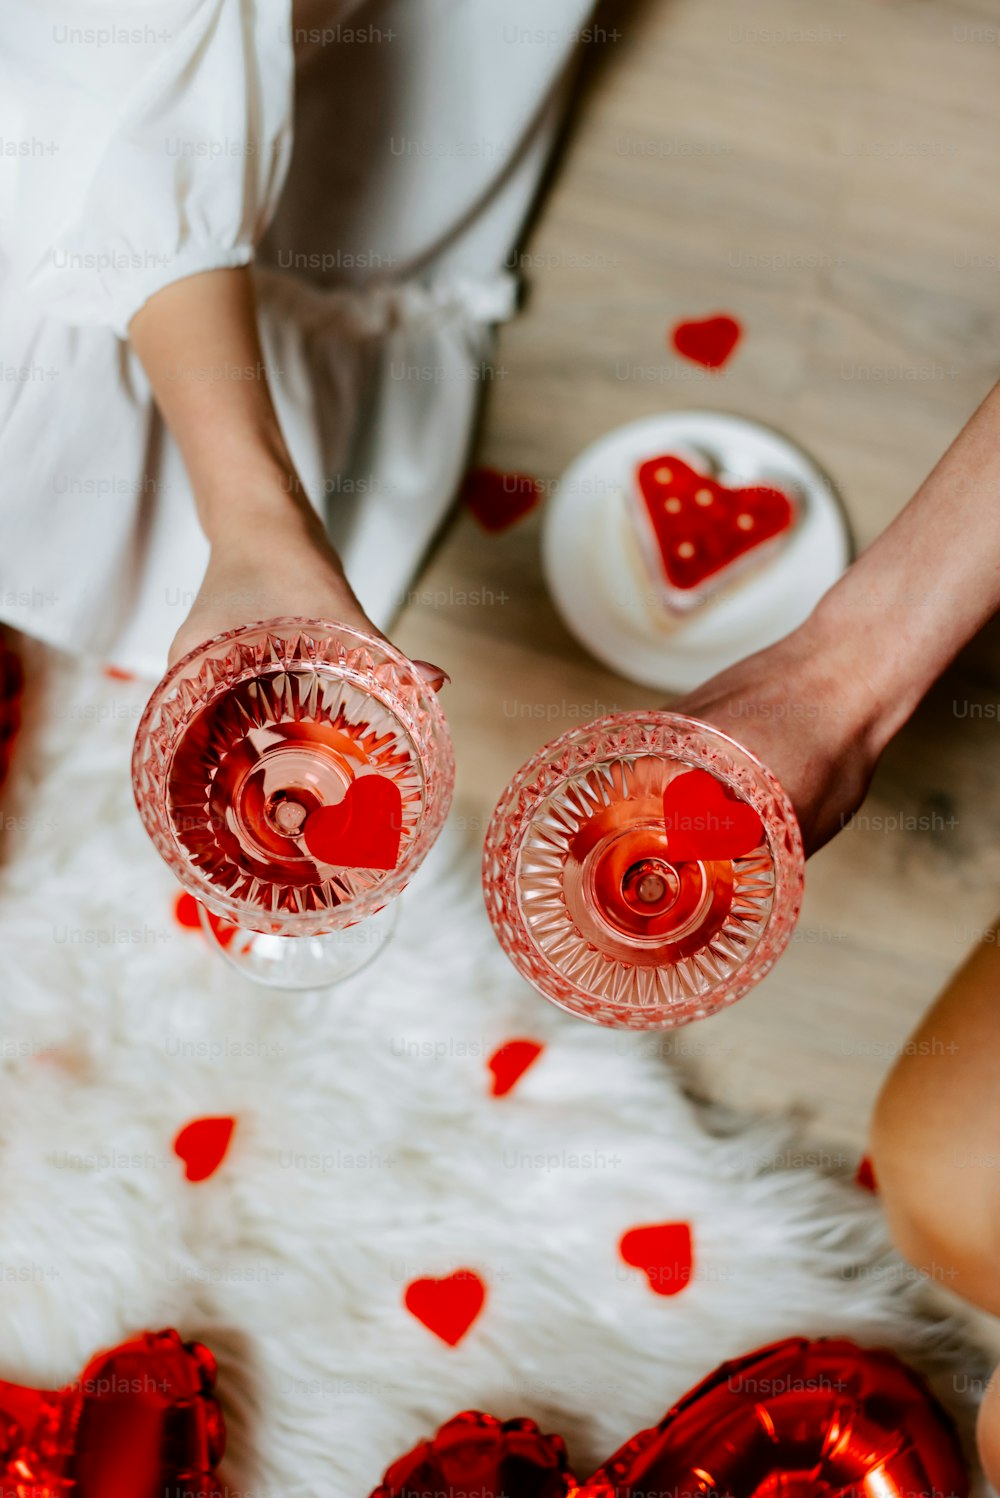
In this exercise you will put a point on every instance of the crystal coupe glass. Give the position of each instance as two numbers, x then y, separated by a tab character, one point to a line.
643	871
294	774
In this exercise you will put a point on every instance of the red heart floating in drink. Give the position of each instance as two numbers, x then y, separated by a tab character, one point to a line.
664	1253
708	341
139	1421
202	1145
701	527
705	822
447	1306
498	500
798	1417
363	831
510	1062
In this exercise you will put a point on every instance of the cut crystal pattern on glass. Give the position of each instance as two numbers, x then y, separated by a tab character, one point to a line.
584	897
256	729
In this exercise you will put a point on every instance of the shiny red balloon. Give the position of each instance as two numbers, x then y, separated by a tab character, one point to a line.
798	1419
11	691
140	1422
478	1454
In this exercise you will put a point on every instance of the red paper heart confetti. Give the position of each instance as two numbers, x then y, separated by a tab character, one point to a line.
116	673
202	1145
703	821
498	500
139	1420
448	1306
363	831
664	1253
186	912
865	1175
700	527
510	1062
708	341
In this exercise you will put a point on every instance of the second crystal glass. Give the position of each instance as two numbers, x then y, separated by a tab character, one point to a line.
643	871
294	775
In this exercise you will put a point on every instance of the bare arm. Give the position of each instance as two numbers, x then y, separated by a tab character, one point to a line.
821	705
198	342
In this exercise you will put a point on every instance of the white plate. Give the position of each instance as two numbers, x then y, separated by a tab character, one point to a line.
603	589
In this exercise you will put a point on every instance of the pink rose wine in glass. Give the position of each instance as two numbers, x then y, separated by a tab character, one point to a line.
294	774
643	871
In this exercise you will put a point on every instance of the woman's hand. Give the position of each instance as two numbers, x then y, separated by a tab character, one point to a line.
272	559
820	706
805	709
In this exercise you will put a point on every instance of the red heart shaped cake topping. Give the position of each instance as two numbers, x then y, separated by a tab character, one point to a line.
363	831
448	1306
664	1253
703	821
700	527
708	341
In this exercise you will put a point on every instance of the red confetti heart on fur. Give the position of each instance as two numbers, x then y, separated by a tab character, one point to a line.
186	915
361	832
510	1062
498	500
186	912
704	822
865	1175
448	1306
708	341
202	1145
701	527
664	1253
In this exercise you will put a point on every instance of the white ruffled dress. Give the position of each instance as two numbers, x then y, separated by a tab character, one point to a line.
144	140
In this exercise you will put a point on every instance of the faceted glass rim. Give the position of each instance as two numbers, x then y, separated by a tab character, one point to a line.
161	729
703	746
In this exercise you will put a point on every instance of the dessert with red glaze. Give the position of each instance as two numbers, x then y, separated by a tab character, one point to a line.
695	533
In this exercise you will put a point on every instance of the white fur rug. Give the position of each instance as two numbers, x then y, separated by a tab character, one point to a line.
368	1152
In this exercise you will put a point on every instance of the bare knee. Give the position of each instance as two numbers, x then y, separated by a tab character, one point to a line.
940	1186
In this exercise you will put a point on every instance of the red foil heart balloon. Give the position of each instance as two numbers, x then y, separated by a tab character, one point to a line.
797	1419
140	1422
477	1454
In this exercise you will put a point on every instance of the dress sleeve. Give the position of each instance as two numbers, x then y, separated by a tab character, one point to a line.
156	136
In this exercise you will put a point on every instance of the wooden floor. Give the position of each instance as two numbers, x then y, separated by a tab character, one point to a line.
828	174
